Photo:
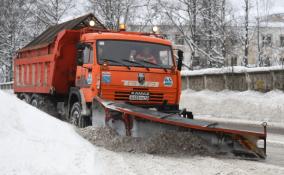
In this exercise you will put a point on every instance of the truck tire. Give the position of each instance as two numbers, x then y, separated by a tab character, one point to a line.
25	97
45	104
75	116
35	102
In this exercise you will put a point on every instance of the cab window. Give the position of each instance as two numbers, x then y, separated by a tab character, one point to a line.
88	55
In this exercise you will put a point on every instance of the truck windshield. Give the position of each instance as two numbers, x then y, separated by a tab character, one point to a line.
134	53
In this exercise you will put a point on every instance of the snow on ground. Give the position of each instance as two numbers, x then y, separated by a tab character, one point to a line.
235	69
32	143
248	105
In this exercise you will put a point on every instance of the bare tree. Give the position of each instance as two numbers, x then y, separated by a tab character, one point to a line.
246	46
223	24
50	12
203	24
194	24
259	59
23	20
148	13
13	33
113	12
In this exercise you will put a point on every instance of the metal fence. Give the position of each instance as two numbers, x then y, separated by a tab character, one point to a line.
6	85
264	80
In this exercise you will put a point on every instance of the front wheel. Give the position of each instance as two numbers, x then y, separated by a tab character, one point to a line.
76	117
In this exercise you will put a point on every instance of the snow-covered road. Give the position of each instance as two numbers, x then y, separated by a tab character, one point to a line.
167	165
275	149
31	142
248	105
243	110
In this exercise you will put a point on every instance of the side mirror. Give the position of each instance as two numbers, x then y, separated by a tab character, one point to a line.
180	59
80	46
79	57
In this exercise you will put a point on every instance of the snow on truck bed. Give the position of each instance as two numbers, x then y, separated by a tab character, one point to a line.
33	143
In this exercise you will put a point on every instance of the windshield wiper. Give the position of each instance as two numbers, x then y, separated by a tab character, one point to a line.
143	65
145	61
115	61
155	64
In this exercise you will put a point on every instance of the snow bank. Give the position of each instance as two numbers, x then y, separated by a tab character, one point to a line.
248	105
235	69
33	142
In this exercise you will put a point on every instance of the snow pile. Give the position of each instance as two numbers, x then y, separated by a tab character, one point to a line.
33	142
248	105
170	142
235	69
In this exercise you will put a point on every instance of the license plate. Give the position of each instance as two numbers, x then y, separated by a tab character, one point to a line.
139	96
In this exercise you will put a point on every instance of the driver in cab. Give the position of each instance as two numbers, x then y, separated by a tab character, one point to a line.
146	55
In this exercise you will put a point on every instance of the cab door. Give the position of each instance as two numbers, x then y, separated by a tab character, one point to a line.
85	59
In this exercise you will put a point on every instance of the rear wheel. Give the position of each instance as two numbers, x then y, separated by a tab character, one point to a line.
35	102
25	97
76	117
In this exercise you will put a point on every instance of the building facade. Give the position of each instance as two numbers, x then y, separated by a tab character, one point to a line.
266	44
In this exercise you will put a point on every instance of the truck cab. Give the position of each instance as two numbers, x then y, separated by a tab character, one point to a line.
128	67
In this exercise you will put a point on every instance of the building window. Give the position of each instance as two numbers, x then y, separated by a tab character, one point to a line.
179	40
267	40
281	41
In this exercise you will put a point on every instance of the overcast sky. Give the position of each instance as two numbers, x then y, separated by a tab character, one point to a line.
275	6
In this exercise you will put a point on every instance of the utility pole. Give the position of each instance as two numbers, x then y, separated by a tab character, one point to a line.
259	60
224	54
258	42
245	60
194	25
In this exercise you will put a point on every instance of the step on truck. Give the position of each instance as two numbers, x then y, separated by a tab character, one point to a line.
129	81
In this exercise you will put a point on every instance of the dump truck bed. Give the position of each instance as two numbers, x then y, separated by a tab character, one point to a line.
48	68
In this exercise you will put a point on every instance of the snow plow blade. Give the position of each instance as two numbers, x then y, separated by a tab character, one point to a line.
133	120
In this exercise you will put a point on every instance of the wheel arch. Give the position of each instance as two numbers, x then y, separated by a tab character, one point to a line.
76	95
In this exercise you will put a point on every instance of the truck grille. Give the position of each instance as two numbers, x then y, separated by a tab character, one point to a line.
124	96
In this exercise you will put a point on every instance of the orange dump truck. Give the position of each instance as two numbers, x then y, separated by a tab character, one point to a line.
82	63
126	80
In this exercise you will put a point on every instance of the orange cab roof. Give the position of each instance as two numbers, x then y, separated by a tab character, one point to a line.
124	36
